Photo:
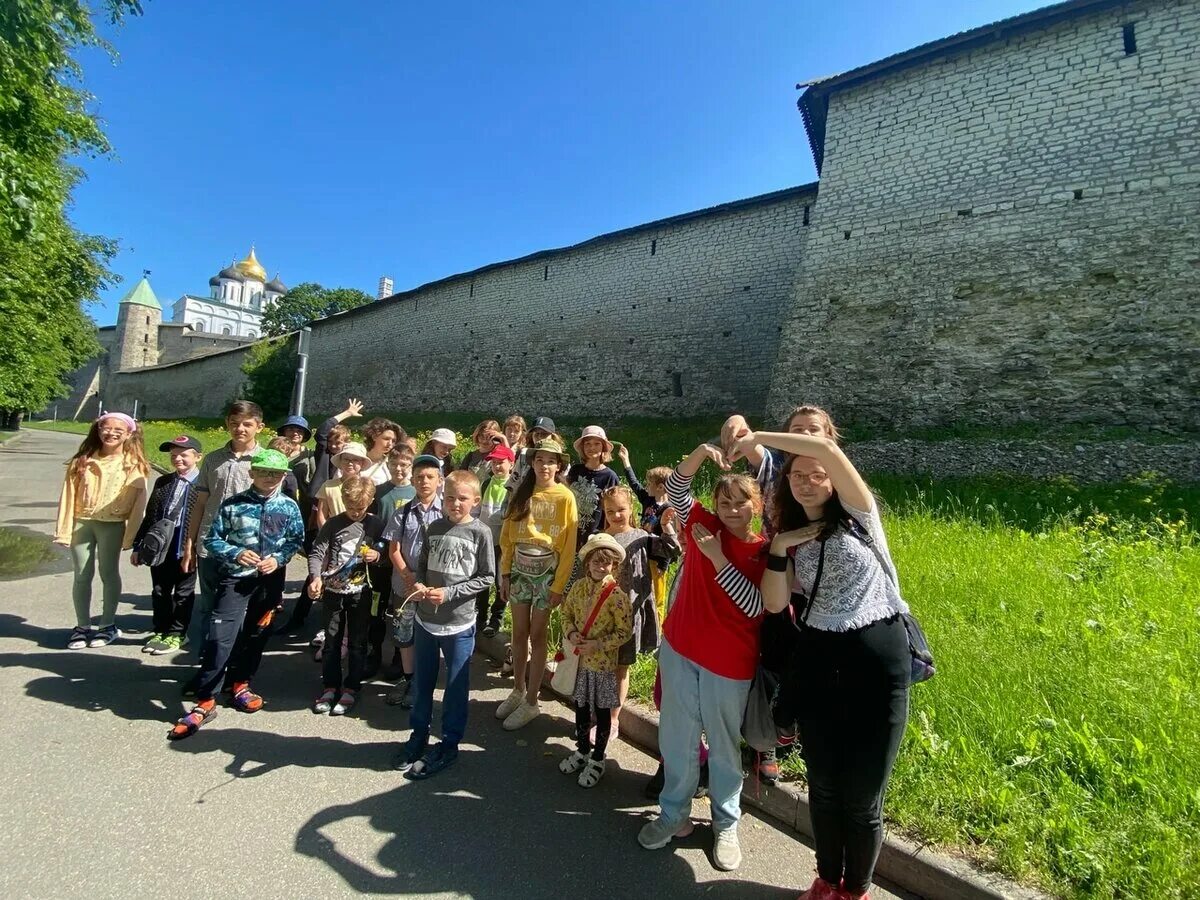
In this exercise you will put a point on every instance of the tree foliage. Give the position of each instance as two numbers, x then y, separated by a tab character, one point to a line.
270	369
308	302
47	267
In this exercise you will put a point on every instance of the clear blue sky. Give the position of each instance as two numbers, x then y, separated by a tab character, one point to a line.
349	140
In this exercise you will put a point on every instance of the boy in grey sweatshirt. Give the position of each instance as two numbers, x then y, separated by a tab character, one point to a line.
455	566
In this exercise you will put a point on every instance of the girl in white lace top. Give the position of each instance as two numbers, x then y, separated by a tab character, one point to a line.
847	680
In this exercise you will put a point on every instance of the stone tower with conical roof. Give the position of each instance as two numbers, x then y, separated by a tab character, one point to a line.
139	314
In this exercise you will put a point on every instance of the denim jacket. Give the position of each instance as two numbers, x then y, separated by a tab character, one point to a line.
269	526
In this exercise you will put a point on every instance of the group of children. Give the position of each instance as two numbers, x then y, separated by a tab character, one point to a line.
410	544
398	543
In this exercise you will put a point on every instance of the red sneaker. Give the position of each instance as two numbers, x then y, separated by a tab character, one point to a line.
822	890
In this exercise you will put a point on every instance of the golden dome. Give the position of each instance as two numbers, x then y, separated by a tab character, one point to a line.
251	268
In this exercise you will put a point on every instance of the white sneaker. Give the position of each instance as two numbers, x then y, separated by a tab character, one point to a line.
656	833
509	703
522	716
727	852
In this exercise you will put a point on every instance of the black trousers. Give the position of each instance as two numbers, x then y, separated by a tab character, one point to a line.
583	725
381	587
349	616
173	593
304	602
852	713
237	632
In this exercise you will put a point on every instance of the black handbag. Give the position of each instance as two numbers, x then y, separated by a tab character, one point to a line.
155	544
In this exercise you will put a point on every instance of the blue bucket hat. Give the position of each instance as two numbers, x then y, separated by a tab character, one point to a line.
299	422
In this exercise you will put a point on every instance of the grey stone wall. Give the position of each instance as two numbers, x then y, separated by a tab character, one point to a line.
1011	234
201	387
609	328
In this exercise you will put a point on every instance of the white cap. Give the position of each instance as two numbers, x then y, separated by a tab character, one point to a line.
444	436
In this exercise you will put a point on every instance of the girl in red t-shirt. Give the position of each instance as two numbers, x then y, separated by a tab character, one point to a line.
709	653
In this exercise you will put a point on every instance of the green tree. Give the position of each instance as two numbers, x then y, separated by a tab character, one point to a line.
47	268
270	370
308	302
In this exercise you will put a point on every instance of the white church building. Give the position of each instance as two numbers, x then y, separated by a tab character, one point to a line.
238	295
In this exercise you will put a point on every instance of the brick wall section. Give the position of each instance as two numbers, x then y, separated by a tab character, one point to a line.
1024	241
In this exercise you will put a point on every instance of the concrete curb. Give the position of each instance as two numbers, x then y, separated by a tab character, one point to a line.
933	875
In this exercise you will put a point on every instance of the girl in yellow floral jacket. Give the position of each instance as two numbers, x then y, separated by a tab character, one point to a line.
99	511
597	644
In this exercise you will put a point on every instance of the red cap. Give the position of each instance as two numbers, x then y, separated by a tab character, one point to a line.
501	452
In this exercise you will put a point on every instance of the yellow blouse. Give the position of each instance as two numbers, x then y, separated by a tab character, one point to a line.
104	490
613	625
552	522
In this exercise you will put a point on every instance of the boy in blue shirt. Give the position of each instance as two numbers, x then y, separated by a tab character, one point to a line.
253	535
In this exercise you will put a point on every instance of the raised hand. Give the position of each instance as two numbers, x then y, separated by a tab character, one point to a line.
354	408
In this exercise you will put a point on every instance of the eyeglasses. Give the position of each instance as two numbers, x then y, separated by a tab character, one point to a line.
813	478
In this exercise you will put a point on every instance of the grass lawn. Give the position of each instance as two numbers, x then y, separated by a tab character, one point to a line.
21	554
1061	739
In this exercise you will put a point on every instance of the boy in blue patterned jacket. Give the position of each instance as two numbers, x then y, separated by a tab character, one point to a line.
254	534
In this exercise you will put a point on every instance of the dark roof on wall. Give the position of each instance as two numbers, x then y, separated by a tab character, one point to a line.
814	102
720	209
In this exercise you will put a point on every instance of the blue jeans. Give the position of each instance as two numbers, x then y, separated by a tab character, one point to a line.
456	649
695	700
208	580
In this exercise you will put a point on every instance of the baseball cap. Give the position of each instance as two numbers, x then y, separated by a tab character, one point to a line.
545	423
269	461
426	459
181	442
502	452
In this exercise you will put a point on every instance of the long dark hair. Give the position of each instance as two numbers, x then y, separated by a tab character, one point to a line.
787	513
518	509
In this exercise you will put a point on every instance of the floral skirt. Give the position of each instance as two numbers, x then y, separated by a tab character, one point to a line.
595	689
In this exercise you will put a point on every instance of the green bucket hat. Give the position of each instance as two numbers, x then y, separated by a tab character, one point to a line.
269	461
549	445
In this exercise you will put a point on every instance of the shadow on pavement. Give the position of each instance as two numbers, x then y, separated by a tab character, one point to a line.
260	752
469	833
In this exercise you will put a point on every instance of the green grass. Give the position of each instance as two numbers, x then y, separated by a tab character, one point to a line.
21	554
1061	739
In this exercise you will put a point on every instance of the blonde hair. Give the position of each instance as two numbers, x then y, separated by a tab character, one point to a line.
282	444
518	420
739	483
617	490
817	412
658	475
465	477
357	490
484	427
341	431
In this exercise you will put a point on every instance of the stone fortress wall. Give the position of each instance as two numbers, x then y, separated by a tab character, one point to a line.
1007	231
1011	234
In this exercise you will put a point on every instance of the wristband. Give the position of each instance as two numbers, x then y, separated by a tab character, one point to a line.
776	562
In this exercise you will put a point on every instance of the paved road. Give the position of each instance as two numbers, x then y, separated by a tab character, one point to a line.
285	803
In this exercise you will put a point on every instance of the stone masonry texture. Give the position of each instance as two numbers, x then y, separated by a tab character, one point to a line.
1010	234
1004	234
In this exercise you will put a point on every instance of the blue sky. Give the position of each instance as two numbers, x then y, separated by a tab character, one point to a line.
352	140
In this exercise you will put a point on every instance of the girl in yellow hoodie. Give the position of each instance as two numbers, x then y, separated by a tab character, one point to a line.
101	506
537	552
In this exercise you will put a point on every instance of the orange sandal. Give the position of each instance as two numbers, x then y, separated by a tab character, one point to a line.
190	724
245	700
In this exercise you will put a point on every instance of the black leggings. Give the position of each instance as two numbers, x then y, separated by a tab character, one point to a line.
852	700
583	725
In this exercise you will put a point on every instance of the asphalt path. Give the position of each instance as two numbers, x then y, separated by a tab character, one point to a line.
284	803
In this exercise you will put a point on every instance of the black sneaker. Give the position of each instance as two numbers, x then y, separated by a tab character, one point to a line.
400	696
655	785
492	627
412	751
